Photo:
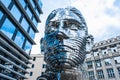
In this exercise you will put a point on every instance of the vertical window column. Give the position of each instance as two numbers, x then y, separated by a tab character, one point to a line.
115	61
110	73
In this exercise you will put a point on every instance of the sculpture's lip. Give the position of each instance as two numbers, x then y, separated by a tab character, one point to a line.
65	48
62	35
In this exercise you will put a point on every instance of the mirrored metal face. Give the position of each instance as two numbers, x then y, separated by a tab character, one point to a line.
67	22
70	28
65	40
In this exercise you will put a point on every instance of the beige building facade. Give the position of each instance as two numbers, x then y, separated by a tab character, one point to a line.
37	66
103	61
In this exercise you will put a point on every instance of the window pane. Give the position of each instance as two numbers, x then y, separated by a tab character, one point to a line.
40	3
98	63
117	60
91	75
8	28
6	2
31	73
34	22
19	39
107	62
32	66
22	2
24	24
31	33
34	58
1	14
16	13
29	12
37	12
27	47
100	74
110	73
32	2
118	70
44	66
89	64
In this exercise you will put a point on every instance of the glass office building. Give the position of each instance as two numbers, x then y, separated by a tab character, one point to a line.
18	25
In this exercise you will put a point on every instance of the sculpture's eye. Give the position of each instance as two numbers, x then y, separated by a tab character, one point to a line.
66	24
53	26
74	27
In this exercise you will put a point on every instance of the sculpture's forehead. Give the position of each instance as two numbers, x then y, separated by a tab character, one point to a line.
64	14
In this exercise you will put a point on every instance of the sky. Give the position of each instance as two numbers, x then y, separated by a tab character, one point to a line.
102	18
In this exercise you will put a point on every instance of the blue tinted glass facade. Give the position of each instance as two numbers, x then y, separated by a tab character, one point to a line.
6	2
19	39
8	28
34	21
15	12
40	3
24	24
1	14
27	47
31	33
33	5
17	32
22	2
29	12
37	12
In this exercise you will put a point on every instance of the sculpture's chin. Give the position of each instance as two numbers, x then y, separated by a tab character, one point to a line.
63	64
63	61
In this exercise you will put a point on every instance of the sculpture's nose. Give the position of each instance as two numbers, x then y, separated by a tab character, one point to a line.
61	36
61	32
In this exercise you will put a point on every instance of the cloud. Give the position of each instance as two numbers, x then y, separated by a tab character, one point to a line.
100	15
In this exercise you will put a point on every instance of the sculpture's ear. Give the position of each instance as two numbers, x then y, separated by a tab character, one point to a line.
89	43
42	44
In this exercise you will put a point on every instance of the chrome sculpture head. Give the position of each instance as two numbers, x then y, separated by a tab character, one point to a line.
64	43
